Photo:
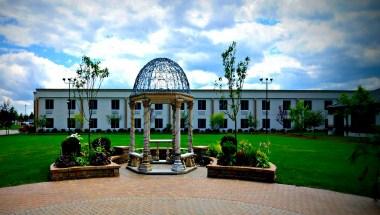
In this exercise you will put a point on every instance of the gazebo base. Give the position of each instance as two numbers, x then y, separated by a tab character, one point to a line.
161	169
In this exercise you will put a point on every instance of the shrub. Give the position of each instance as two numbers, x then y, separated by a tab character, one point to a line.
196	131
240	130
70	146
54	130
100	157
262	159
208	131
214	149
229	130
121	130
65	161
108	131
103	142
98	130
229	146
77	130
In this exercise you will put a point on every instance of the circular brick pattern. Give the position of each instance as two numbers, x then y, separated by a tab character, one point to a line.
157	206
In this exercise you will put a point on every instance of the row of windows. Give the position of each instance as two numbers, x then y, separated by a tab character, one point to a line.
223	105
93	104
158	123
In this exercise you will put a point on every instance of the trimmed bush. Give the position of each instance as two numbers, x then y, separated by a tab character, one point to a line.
229	147
70	147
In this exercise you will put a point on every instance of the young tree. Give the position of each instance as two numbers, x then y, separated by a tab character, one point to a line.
235	76
313	119
90	77
361	105
7	115
252	121
298	115
282	115
216	120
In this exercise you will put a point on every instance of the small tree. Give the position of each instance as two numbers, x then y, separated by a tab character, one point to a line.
252	121
282	115
314	119
235	76
216	120
298	115
89	79
7	115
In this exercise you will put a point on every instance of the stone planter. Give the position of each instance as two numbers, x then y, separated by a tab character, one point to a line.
81	172
241	172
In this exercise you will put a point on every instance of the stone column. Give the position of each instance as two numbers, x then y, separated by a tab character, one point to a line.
173	127
190	126
132	130
145	164
177	165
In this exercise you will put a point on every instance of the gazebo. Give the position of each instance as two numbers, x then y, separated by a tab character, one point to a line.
161	81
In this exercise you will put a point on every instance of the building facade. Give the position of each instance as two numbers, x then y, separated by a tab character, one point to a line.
110	110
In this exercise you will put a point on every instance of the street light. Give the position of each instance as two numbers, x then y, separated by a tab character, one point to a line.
69	81
266	81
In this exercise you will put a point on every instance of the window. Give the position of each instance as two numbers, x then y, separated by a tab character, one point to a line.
115	123
71	104
183	106
182	123
225	124
158	123
93	104
49	104
49	122
286	104
138	106
222	104
201	123
266	123
201	104
115	104
287	123
243	123
327	103
244	105
93	123
158	106
307	104
137	123
70	123
326	123
265	105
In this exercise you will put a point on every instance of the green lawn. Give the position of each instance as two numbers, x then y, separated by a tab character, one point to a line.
321	162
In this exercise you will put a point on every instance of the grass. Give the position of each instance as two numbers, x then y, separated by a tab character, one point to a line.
302	161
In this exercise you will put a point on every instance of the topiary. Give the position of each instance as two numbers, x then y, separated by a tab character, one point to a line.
229	146
70	147
103	142
100	157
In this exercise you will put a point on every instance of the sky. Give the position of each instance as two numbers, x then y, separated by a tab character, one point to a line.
324	44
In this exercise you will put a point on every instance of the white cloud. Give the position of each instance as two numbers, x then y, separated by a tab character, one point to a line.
272	65
123	72
200	79
21	73
254	34
200	15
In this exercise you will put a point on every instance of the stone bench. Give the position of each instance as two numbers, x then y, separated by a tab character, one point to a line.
188	159
135	159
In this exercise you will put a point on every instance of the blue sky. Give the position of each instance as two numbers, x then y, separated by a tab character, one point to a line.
301	44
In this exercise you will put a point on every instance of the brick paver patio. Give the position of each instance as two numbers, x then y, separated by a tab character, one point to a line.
181	194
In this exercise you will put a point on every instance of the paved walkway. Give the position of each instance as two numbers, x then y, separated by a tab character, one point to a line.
193	193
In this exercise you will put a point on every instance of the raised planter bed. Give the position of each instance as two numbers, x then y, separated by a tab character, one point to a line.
241	172
81	172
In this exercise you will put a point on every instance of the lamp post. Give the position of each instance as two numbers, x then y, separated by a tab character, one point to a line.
266	81
69	81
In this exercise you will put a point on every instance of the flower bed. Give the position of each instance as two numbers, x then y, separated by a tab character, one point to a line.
81	172
241	172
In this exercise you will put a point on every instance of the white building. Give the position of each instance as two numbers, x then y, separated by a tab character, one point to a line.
111	109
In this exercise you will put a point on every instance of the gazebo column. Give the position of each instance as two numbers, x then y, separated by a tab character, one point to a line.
190	127
132	145
177	165
145	164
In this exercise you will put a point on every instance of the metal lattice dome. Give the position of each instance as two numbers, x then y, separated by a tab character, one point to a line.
161	75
